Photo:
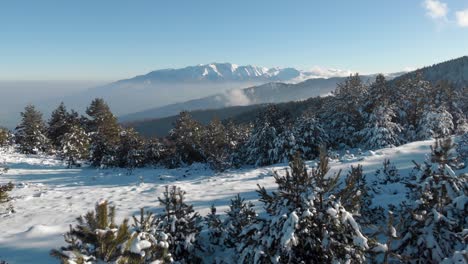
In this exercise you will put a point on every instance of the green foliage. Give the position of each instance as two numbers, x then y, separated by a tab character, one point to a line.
98	238
30	133
187	138
5	137
74	145
104	131
181	224
4	189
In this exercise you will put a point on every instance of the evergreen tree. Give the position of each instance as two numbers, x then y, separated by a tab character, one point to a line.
216	145
154	151
413	97
130	152
74	145
6	137
344	112
260	149
187	137
309	135
97	238
435	123
434	226
306	222
181	224
104	131
240	215
215	236
380	131
58	125
30	133
462	150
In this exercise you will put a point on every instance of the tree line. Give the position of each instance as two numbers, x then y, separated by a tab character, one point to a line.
358	115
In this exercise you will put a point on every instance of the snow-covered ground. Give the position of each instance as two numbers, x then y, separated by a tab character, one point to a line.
48	197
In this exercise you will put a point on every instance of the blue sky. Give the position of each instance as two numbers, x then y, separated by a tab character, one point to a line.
109	40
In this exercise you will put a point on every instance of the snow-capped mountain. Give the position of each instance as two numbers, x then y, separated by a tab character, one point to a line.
168	86
228	72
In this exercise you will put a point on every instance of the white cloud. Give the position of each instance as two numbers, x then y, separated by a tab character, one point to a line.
462	18
436	9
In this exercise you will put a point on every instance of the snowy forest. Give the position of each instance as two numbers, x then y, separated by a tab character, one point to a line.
311	215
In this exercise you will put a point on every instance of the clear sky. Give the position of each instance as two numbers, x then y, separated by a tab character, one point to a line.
109	40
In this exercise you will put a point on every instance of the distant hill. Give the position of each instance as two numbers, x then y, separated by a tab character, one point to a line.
161	126
274	92
454	71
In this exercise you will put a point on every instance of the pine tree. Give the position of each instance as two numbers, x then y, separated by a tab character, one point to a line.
130	152
104	131
343	111
58	125
74	145
435	123
240	215
181	224
187	137
309	135
306	222
380	131
434	225
462	150
6	137
260	149
30	133
413	97
96	237
154	151
216	145
216	234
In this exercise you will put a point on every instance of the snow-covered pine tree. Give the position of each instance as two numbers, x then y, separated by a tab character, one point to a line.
380	131
154	151
285	146
434	227
412	97
462	150
240	215
309	135
130	151
216	145
238	135
58	125
343	111
388	173
97	238
6	137
31	132
260	148
179	221
104	132
187	139
305	223
74	145
147	244
214	237
435	123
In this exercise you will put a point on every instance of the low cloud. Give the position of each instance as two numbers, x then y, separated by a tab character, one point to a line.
237	97
462	18
436	9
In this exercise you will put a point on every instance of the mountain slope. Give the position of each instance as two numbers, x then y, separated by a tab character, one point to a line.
168	86
454	71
